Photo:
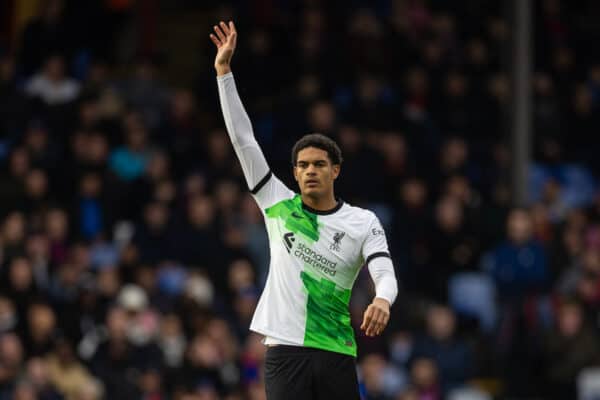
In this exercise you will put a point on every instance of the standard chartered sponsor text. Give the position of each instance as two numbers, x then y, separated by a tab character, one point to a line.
314	259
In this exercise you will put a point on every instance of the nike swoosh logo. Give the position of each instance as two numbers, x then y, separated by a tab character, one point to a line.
296	215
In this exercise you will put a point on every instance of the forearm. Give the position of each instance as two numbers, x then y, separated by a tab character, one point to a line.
240	131
382	273
236	119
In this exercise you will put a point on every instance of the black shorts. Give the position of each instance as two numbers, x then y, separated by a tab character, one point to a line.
304	373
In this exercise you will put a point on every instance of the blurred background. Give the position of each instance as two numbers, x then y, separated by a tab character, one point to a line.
132	255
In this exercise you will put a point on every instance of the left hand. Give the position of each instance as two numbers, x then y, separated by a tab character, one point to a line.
376	317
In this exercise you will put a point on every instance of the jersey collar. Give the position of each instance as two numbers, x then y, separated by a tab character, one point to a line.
339	205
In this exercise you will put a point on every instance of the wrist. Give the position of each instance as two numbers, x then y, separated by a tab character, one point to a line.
222	69
382	301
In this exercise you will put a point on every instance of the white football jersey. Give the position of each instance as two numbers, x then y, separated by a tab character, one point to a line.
315	259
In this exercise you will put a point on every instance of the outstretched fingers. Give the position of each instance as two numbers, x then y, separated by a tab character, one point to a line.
224	28
230	32
215	40
220	34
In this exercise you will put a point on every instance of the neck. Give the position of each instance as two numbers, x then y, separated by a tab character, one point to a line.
324	203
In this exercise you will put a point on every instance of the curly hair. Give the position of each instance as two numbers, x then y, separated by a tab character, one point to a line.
319	141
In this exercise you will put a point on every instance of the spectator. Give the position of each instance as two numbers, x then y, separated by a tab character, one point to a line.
452	356
129	162
567	350
12	184
57	229
150	237
200	371
172	341
66	373
360	165
145	92
11	361
117	354
51	85
424	378
38	374
453	248
90	212
24	391
381	381
518	265
200	245
13	236
41	328
8	315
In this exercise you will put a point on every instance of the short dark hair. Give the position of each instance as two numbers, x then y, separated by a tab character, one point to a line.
319	141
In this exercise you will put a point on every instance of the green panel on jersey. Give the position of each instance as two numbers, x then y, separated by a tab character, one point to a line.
327	316
296	219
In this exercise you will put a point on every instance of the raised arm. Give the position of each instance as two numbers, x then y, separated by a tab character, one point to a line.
238	123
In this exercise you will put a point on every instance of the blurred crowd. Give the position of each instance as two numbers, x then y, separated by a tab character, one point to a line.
132	255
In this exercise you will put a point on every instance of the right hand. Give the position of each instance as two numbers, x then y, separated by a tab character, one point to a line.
224	38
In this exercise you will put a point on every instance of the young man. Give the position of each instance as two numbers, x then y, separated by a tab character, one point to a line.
318	246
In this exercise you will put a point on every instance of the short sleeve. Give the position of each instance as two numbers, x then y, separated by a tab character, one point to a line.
269	191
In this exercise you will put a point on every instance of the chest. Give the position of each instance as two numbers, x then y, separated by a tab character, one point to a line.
332	240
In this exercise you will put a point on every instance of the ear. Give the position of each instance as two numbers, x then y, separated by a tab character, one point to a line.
336	170
296	174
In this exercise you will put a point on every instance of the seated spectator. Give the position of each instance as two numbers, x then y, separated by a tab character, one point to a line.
8	315
518	265
380	379
200	370
453	248
24	391
129	162
38	375
11	362
117	354
66	373
13	236
42	327
567	349
452	356
424	379
20	287
52	85
153	238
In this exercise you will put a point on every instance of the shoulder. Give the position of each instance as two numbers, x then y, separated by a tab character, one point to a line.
360	220
363	215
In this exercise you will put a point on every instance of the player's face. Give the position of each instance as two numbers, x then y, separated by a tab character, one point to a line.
314	172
